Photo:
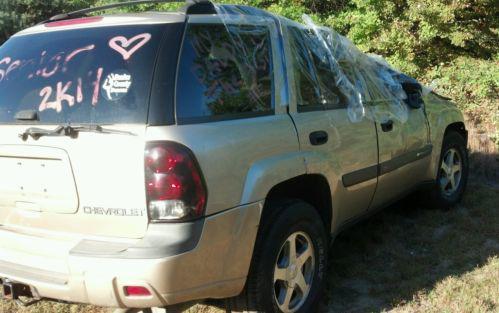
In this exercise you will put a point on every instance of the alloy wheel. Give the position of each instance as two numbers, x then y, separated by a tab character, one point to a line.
450	172
294	272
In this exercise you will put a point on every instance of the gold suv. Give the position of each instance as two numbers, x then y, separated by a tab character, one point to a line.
155	159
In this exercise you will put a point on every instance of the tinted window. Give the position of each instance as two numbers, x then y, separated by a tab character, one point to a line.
224	73
314	78
94	75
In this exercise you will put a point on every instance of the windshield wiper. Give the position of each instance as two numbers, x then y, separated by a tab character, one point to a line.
70	131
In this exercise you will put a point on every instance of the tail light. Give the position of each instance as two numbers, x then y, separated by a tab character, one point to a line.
174	185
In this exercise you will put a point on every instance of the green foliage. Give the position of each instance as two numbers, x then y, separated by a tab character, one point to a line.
417	34
473	83
18	14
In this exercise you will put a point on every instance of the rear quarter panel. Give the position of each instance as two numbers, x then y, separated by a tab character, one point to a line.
241	160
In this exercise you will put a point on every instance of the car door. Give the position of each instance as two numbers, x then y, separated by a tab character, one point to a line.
404	151
345	152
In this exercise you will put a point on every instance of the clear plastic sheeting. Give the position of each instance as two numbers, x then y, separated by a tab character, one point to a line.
328	70
250	34
371	87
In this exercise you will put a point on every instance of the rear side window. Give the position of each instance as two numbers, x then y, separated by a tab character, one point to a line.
224	72
315	80
92	75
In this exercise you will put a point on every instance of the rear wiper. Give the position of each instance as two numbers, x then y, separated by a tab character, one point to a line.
70	131
36	133
96	129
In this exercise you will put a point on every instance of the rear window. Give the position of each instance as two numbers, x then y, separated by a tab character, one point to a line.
95	75
225	72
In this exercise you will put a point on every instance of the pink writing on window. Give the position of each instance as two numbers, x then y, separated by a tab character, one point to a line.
75	53
64	94
46	66
45	72
127	47
96	83
61	96
5	60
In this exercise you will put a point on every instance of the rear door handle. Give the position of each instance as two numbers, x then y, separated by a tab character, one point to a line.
318	138
387	126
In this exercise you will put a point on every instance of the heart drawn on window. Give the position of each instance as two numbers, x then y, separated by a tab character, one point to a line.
127	47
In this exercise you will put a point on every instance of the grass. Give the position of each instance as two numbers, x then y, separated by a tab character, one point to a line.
413	259
483	141
405	259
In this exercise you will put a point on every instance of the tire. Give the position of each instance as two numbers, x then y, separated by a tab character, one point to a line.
446	197
289	221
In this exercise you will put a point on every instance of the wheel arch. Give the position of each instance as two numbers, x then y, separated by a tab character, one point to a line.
457	127
313	189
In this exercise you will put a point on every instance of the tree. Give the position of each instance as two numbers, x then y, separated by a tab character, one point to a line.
16	15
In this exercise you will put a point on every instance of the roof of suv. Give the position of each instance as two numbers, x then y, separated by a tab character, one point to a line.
140	18
107	20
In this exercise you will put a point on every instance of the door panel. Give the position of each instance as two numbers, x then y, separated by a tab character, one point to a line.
403	155
349	157
350	147
416	133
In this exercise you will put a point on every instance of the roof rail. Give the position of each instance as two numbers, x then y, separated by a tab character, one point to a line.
84	12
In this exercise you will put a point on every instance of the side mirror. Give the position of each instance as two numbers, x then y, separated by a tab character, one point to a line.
414	93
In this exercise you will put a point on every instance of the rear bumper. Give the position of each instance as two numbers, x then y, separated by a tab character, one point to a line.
175	271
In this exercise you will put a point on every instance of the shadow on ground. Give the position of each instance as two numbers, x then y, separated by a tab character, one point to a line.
408	248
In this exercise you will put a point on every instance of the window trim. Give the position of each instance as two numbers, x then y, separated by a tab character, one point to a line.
224	117
318	107
161	111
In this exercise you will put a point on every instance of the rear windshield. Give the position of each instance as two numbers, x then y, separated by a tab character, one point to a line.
95	75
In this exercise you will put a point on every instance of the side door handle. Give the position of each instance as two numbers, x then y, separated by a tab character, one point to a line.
387	126
318	138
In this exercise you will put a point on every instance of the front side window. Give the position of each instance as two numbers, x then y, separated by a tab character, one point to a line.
315	80
225	72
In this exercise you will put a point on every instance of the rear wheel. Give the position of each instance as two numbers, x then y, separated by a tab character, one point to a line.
452	174
289	264
294	272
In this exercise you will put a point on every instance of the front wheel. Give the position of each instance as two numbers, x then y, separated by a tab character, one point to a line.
453	170
288	270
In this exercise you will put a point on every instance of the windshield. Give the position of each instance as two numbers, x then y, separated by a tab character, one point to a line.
83	76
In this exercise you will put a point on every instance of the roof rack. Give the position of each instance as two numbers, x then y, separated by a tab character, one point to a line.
207	5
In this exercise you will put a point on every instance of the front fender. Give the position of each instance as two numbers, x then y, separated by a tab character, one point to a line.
441	113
